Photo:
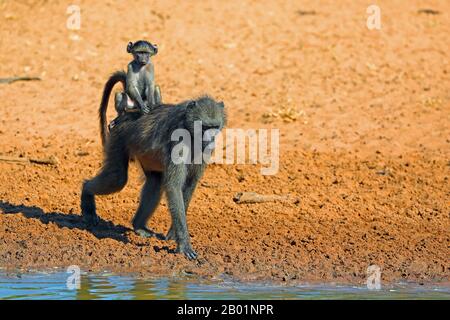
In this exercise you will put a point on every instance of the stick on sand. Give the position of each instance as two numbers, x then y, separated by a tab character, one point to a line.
14	79
52	160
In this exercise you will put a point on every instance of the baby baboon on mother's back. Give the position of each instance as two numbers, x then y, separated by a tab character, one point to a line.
140	91
148	140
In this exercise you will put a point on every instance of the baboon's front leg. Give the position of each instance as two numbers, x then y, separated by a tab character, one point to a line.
177	211
150	197
191	185
188	191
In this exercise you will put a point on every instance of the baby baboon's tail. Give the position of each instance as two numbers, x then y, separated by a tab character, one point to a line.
119	76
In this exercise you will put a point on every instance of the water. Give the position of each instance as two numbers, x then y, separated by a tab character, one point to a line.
108	286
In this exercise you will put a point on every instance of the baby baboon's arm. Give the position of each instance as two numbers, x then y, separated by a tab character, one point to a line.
150	83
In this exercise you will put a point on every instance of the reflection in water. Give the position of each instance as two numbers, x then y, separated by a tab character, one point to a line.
126	287
142	291
110	286
86	291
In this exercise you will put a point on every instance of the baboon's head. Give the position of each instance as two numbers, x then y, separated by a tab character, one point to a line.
210	114
142	51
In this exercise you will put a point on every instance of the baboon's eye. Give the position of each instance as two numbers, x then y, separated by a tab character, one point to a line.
192	104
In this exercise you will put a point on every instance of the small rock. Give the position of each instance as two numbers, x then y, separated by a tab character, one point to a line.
428	11
81	153
253	197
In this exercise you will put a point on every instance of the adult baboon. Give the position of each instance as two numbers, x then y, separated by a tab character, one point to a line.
148	138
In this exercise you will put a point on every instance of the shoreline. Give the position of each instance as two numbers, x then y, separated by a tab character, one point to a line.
225	279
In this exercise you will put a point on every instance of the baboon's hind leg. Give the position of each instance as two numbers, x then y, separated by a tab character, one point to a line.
112	178
119	100
150	197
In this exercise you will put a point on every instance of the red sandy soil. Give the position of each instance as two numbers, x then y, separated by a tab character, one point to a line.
368	155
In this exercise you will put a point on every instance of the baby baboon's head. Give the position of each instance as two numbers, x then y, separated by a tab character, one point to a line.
142	51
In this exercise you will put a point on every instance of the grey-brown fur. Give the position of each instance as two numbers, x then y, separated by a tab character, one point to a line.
149	137
138	84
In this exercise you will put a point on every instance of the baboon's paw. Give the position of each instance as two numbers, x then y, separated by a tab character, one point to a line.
188	252
171	234
145	233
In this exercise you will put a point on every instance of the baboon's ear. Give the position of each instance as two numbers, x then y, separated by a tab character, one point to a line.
192	104
221	104
129	47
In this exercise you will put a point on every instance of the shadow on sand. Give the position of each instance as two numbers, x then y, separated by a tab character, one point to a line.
105	229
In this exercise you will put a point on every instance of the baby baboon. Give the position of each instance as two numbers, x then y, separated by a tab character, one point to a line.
149	140
140	91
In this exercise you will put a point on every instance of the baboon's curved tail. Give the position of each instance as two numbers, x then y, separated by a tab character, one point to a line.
119	76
